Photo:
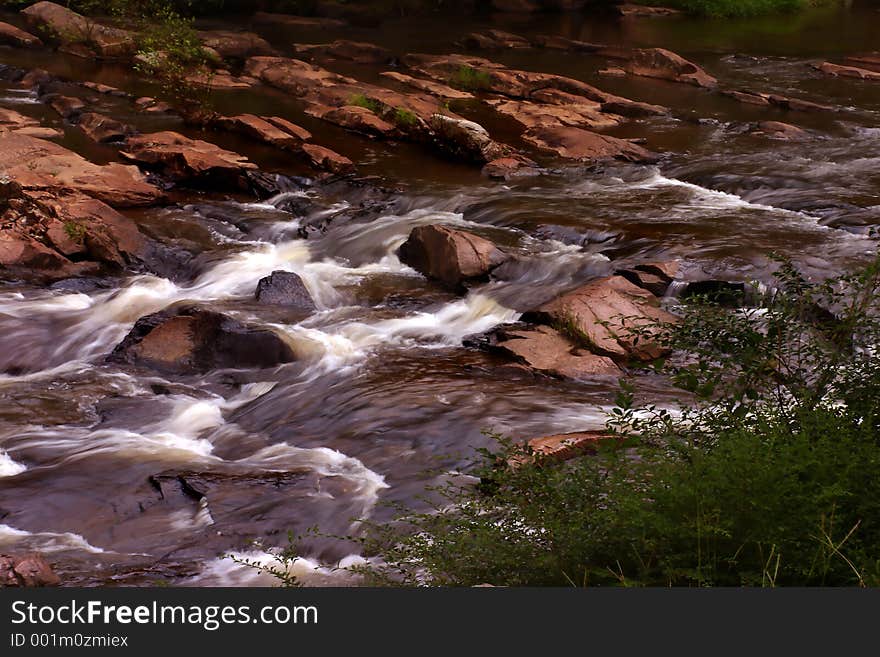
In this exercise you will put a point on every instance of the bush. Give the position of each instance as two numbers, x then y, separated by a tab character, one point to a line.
768	475
739	8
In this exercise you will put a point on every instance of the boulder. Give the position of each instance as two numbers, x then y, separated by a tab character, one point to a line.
546	350
194	340
354	118
505	168
653	277
77	34
103	129
189	160
13	121
355	51
263	130
495	40
666	65
610	316
847	71
779	130
329	160
285	288
449	256
464	139
30	570
235	45
578	144
13	36
67	106
40	165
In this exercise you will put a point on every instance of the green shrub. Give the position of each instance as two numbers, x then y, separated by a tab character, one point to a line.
470	79
360	100
739	8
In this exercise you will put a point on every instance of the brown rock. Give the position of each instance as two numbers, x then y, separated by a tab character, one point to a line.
578	111
495	40
262	130
235	45
354	118
870	61
780	130
12	120
428	86
505	168
13	36
355	51
192	340
565	446
290	128
746	97
465	139
185	159
797	105
666	65
30	570
653	277
103	129
40	165
604	314
329	160
554	42
448	255
577	144
310	22
80	35
847	71
549	352
221	80
104	89
642	11
67	106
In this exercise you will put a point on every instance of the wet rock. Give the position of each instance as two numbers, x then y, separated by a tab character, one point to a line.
847	71
355	51
428	86
608	315
37	164
565	446
725	293
870	61
577	144
264	130
495	40
285	288
289	127
221	80
189	160
516	6
327	159
555	42
797	105
546	350
12	121
354	118
613	72
105	89
235	45
465	139
655	278
293	75
664	64
450	256
505	168
103	129
30	570
77	34
13	36
192	340
67	106
746	97
780	130
578	112
310	22
643	11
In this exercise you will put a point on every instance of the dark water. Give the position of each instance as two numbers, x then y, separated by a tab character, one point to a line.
383	399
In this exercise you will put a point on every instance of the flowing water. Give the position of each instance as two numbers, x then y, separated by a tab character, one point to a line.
383	399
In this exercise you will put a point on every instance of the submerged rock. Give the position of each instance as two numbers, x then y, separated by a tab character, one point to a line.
285	288
192	340
31	570
450	256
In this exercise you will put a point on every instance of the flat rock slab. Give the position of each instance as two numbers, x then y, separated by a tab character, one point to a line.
577	144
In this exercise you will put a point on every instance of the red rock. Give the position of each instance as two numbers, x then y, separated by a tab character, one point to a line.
847	71
603	314
327	159
235	45
565	446
103	129
554	42
870	61
747	97
428	86
495	40
13	36
667	65
354	118
448	255
262	130
578	112
30	570
82	36
780	130
291	128
356	51
642	11
509	167
577	144
67	106
798	105
311	22
465	139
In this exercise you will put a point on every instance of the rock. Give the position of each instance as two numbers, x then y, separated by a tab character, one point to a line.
666	65
780	130
194	340
235	45
450	256
10	120
327	159
495	40
565	446
428	86
309	22
355	51
103	129
642	11
577	144
105	89
354	118
217	80
13	36
546	350
655	278
516	6
870	61
293	75
613	72
505	168
68	107
285	288
847	71
725	293
291	128
30	570
40	165
746	97
80	35
797	105
578	111
555	42
263	130
190	160
465	139
603	314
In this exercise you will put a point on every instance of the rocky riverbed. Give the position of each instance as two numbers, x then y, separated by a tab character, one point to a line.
378	245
